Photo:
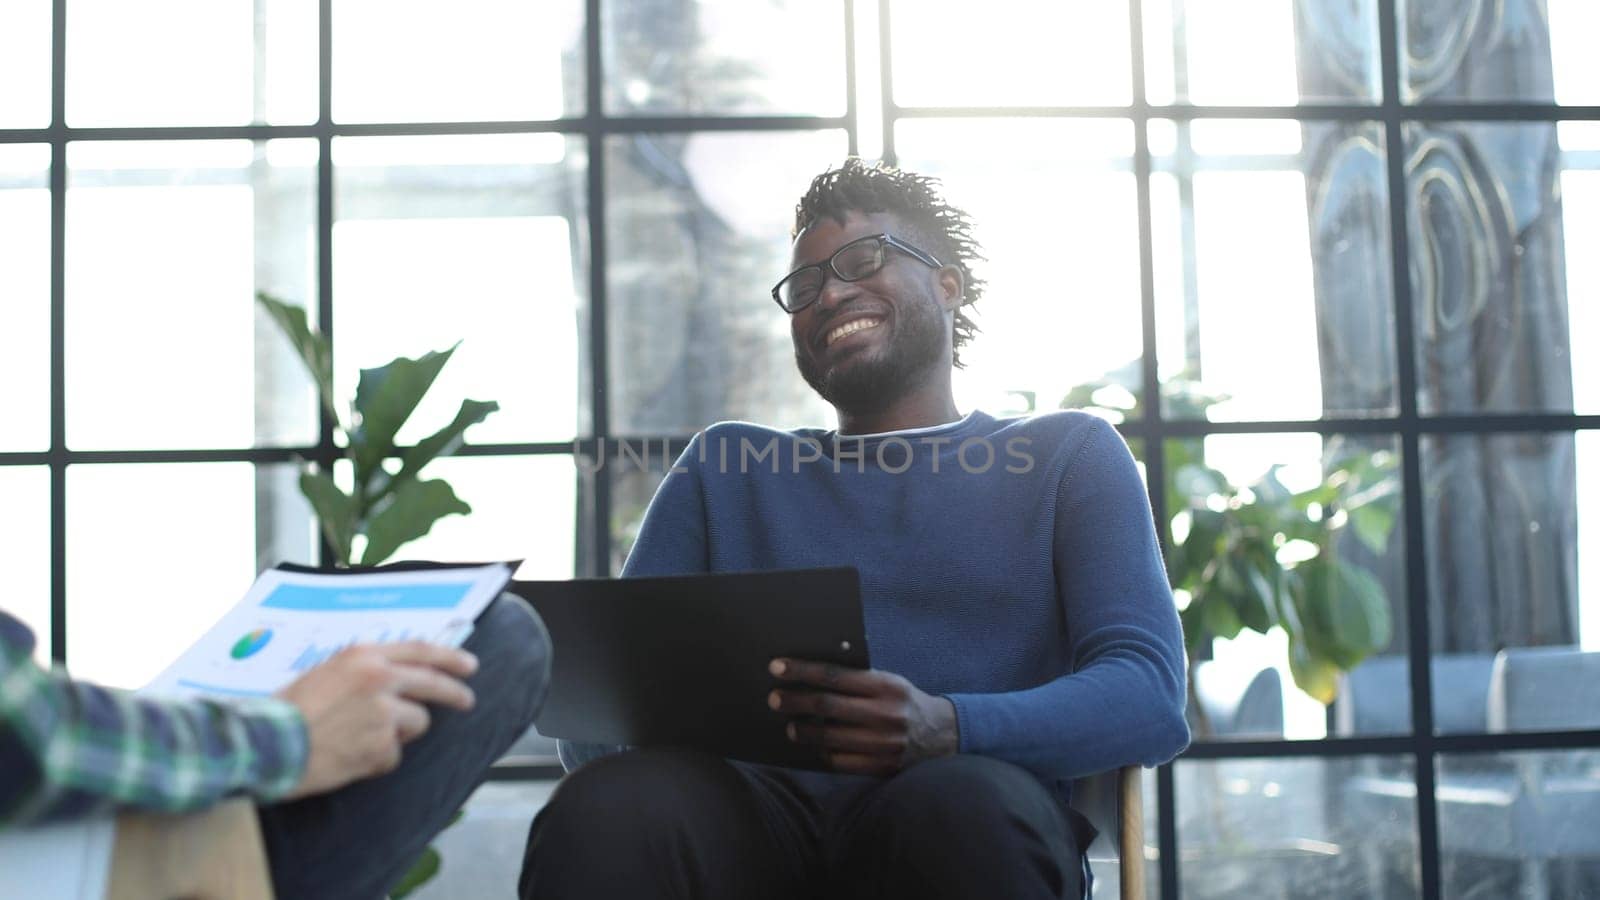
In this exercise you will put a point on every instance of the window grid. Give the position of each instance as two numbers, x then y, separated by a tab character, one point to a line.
1422	745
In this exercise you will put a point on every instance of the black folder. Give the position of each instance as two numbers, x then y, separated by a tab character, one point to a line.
682	660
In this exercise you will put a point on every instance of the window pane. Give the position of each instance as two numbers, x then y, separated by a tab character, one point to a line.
1519	824
1298	52
25	533
1509	518
166	243
156	552
1587	484
191	62
1297	827
697	236
25	37
523	507
1574	66
1523	50
1577	137
473	239
1011	53
1043	330
724	56
1580	223
1272	272
1298	528
25	285
286	526
473	60
1489	249
635	475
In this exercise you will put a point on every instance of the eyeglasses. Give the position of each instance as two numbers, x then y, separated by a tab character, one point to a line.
859	259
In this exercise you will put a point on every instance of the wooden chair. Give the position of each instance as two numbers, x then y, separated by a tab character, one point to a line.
215	854
1113	802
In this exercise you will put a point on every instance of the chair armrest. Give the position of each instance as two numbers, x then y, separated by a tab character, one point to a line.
209	855
1130	831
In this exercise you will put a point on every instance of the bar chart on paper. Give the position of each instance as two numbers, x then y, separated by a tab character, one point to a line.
290	622
286	647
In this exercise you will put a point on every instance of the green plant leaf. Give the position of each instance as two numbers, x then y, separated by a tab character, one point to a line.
1258	600
385	398
335	510
1345	614
1232	586
1361	621
1372	523
1220	618
421	871
313	349
1194	628
1313	674
1205	532
1178	571
443	442
409	514
1323	495
1334	613
1312	587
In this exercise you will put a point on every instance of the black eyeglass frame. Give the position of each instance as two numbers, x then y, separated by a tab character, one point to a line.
826	266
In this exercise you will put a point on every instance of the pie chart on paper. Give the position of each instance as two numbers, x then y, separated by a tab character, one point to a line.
251	643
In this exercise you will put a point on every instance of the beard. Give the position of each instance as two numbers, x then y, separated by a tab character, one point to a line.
871	383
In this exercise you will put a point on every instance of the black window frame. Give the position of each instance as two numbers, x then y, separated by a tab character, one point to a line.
595	541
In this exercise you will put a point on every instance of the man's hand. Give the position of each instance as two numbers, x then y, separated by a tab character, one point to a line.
865	722
366	701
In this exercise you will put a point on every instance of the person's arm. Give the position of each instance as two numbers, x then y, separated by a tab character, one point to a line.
70	750
1123	704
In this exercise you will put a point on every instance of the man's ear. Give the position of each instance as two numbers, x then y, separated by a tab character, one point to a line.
952	287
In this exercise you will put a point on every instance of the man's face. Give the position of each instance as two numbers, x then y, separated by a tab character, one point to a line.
865	344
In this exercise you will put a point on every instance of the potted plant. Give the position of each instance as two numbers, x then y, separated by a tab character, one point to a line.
1259	556
390	502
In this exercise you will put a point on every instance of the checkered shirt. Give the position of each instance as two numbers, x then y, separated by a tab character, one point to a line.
71	750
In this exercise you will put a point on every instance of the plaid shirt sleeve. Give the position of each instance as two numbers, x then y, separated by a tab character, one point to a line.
70	750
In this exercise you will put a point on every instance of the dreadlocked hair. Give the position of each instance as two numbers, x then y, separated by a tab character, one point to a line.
940	229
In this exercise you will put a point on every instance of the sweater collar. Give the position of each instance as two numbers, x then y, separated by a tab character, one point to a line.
961	425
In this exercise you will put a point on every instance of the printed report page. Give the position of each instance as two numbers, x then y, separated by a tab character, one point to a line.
289	622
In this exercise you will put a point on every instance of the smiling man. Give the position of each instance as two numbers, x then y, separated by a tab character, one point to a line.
1019	618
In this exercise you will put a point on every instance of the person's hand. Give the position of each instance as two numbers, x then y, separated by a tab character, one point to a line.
862	720
366	701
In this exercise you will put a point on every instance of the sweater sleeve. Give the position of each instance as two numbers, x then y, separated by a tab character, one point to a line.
1123	703
71	750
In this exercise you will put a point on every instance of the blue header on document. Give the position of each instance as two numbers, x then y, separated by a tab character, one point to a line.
334	598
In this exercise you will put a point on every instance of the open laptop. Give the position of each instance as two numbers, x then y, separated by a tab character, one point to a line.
682	660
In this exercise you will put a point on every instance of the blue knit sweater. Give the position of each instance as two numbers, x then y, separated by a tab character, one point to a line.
1007	564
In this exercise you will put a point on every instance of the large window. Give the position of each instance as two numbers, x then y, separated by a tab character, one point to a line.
1283	243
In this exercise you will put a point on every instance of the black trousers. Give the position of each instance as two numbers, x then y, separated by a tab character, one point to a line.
681	824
